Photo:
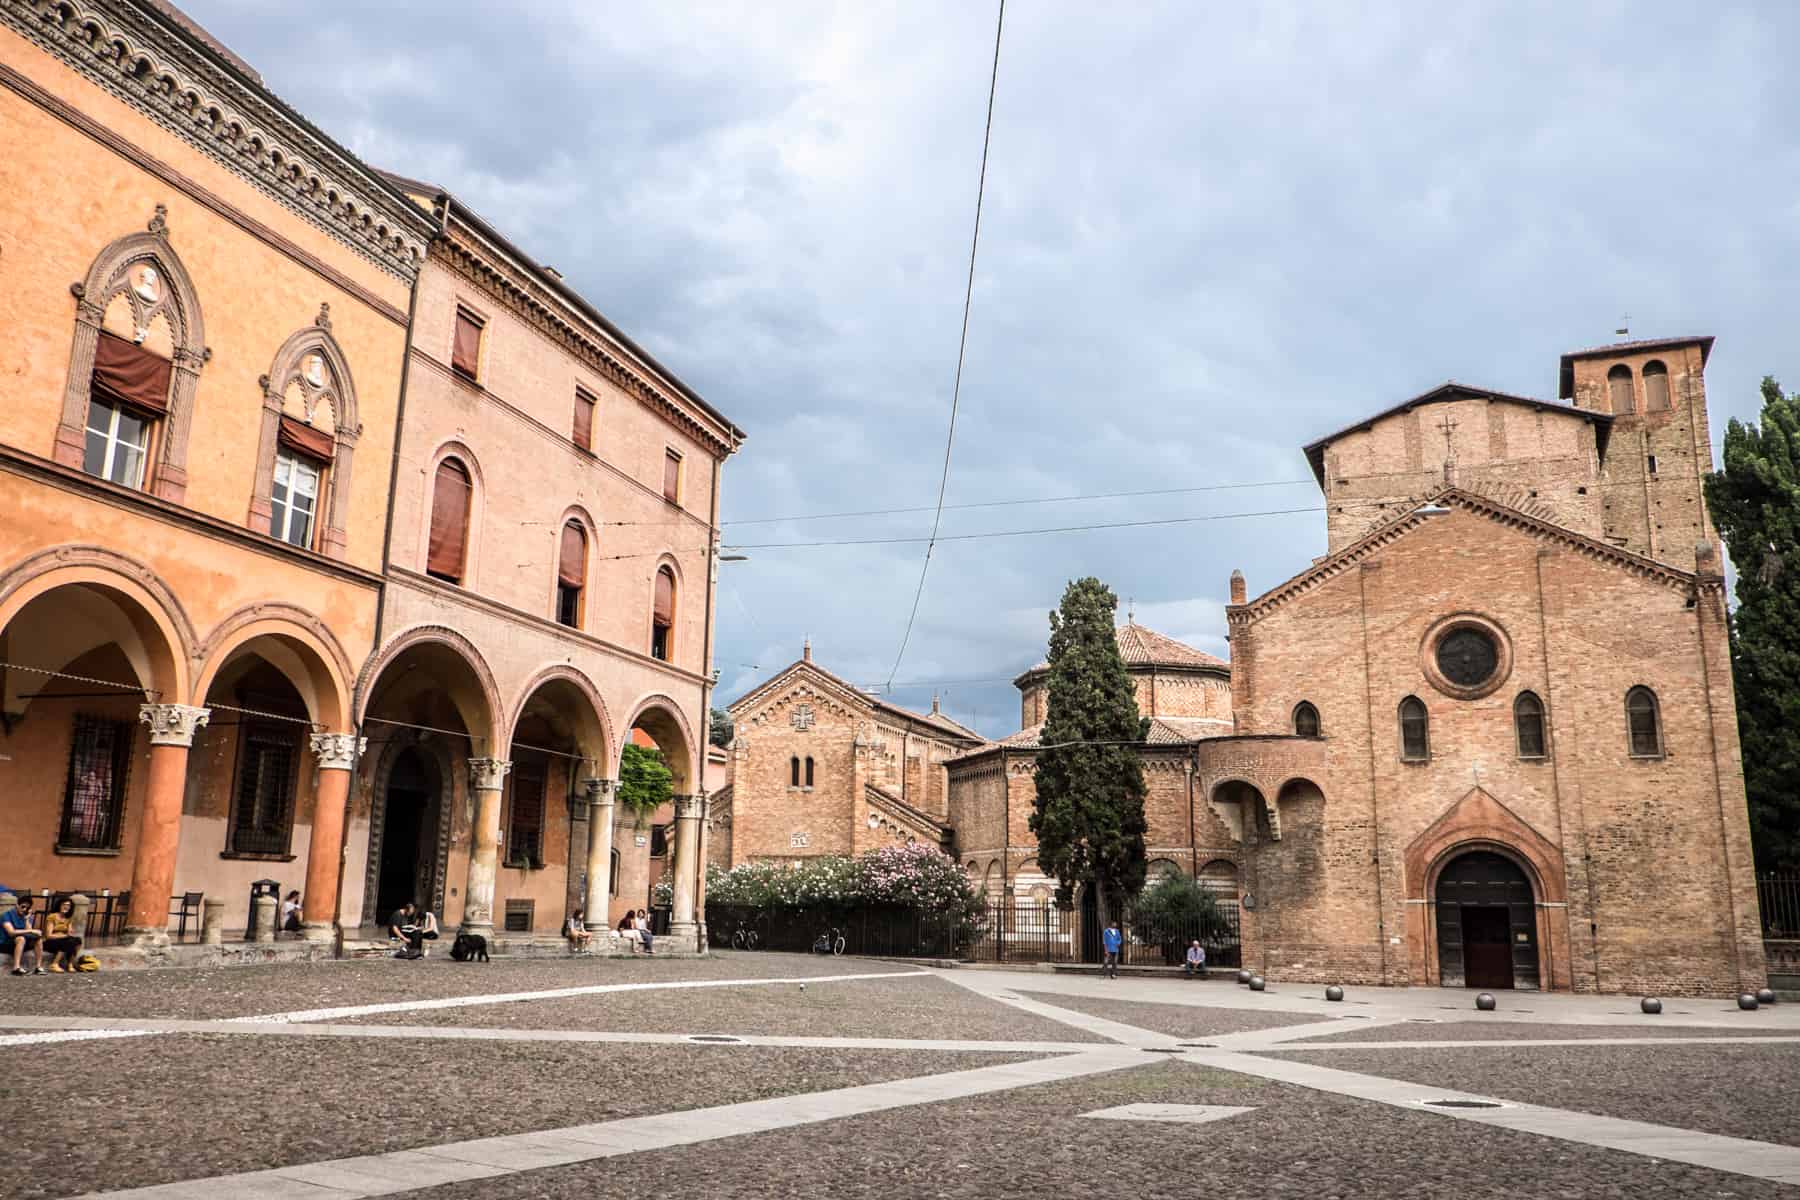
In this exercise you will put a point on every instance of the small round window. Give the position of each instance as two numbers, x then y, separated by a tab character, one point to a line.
1467	656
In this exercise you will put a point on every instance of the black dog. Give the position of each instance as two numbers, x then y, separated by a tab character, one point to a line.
469	947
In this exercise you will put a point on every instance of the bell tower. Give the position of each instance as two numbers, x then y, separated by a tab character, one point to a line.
1658	446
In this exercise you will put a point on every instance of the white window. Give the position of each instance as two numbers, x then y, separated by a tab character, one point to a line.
294	500
116	442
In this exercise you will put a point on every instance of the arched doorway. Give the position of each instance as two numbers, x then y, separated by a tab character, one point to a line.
1486	923
410	842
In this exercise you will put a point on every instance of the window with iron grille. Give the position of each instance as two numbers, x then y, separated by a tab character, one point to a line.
262	818
94	796
520	914
525	829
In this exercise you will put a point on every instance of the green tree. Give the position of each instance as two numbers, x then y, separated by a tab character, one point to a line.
645	782
1089	812
720	728
1755	502
1175	910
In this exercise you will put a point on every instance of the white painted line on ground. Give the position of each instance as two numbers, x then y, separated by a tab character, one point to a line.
386	1174
63	1034
1112	1031
1284	1047
1185	1114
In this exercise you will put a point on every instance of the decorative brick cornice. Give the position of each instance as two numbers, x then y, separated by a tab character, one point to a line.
1378	539
537	307
164	74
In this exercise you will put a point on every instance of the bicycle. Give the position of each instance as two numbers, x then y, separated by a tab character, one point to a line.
743	937
830	943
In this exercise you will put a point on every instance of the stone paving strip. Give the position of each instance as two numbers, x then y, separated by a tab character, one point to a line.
75	1026
116	1029
1738	1156
489	1158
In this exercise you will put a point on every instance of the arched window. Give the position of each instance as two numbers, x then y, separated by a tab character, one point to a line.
1306	719
1415	737
301	492
662	616
1618	383
612	878
809	771
1643	721
1528	724
571	574
134	364
1656	386
794	771
450	496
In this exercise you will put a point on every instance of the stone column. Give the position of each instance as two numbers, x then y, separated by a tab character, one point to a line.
172	730
682	925
598	899
486	777
335	754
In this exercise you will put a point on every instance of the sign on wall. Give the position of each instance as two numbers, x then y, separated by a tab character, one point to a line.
800	841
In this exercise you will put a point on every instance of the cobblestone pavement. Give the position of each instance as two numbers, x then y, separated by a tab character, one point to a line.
837	1119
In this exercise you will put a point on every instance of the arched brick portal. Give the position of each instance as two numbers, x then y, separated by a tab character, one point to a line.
1480	822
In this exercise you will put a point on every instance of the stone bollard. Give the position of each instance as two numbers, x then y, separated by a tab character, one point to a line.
212	922
8	902
262	927
79	918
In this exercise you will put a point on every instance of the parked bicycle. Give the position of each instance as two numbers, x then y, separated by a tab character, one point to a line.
744	937
831	942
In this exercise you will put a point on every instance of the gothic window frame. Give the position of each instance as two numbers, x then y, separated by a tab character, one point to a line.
1652	705
1303	712
1529	705
1423	752
337	390
108	277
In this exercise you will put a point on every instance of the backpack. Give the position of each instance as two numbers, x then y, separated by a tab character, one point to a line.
87	963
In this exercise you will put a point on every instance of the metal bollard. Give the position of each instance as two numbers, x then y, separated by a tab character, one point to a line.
212	922
264	927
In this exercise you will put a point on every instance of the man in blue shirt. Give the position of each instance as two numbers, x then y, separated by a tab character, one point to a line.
19	935
1112	940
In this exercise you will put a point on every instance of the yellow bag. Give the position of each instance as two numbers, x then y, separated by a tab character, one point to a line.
87	962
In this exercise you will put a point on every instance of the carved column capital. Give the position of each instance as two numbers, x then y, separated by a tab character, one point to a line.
487	774
689	808
338	751
601	791
173	724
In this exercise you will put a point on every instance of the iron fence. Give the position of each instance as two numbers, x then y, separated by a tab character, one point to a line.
1779	898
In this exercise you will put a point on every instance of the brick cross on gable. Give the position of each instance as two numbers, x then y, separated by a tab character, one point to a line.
1449	427
802	717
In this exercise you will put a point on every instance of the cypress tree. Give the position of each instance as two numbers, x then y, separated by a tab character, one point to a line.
1755	503
1089	812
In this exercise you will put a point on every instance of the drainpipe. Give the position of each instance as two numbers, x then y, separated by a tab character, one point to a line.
1192	765
706	680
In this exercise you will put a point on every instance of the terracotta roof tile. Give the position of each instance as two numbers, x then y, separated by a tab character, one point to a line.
1141	647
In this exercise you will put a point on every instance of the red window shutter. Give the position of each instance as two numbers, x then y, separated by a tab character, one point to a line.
449	520
571	568
303	439
465	354
672	476
128	374
584	420
665	597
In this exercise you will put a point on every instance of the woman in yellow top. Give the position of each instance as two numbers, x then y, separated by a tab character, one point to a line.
60	941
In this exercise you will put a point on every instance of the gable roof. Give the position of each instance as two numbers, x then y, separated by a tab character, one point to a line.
1142	647
849	691
1448	391
1386	534
906	812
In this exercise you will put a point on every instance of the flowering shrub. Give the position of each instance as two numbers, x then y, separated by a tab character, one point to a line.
911	876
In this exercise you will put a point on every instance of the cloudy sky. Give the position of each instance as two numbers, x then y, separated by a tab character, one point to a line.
1212	233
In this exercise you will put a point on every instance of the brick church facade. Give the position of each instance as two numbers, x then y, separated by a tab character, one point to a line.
1488	739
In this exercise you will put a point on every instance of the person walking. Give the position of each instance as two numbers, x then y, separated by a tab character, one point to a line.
1195	967
1113	942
